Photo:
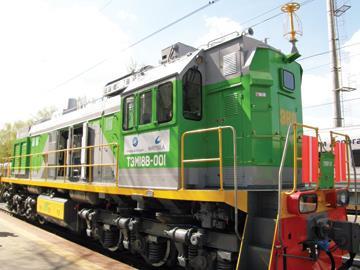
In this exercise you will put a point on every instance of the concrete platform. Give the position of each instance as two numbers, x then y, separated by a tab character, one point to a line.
26	247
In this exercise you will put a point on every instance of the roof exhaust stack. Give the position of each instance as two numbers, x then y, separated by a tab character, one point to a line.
71	105
248	32
175	51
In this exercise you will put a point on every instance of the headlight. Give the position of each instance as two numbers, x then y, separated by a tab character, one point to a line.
308	203
302	202
342	197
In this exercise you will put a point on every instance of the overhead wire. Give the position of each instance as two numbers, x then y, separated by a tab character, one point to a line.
89	68
277	14
105	6
265	20
318	66
172	23
328	51
166	27
329	103
260	15
328	63
135	43
307	57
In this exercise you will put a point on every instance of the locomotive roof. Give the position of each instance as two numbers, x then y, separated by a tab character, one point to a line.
112	104
148	77
90	111
161	72
139	80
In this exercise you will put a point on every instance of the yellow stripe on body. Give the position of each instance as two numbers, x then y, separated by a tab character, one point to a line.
225	196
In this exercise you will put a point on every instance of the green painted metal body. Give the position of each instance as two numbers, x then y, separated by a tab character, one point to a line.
173	155
37	145
259	108
20	161
327	170
256	104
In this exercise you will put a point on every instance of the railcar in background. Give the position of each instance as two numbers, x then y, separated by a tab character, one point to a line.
354	157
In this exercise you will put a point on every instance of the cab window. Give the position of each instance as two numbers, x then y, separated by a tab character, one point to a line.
192	92
128	113
145	107
164	103
288	80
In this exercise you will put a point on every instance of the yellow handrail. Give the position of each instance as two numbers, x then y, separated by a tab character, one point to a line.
69	166
63	150
200	160
65	166
295	154
296	158
220	159
347	141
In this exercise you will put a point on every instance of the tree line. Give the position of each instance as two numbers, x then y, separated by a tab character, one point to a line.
9	130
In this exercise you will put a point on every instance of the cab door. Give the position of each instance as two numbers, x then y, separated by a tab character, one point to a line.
224	108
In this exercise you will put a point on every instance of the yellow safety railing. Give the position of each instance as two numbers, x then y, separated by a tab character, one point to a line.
8	170
212	159
219	159
296	158
294	127
333	136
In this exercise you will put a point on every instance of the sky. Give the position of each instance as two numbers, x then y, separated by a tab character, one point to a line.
54	50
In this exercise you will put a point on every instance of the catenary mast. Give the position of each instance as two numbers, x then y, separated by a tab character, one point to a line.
335	67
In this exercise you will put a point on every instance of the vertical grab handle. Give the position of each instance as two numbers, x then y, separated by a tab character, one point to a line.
219	159
283	157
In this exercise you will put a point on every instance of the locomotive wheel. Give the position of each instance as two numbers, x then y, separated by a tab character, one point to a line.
118	245
164	260
108	241
41	220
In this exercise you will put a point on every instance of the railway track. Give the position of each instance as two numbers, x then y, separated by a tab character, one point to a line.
125	257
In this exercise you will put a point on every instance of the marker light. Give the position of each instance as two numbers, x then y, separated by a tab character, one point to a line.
308	203
342	197
302	202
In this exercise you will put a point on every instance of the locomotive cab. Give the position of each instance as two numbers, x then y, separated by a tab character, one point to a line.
258	100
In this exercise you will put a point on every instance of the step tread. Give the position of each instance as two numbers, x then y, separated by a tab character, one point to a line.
259	257
261	231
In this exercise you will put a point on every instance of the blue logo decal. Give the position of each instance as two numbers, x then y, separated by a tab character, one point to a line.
157	140
135	141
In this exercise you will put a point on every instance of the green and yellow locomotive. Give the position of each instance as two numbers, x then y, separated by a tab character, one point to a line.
194	163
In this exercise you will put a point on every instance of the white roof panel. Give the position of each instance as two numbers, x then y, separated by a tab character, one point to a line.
111	105
89	112
163	71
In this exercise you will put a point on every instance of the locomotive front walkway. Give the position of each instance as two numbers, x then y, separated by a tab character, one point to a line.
26	247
